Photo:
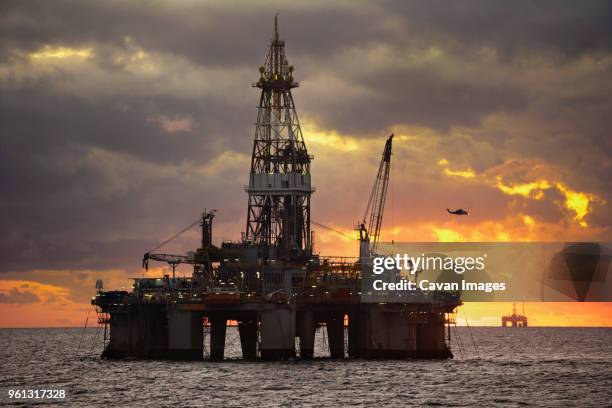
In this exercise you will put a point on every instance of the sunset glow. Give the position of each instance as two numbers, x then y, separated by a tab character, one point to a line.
118	133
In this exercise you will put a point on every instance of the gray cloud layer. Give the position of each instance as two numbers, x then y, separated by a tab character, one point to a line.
16	296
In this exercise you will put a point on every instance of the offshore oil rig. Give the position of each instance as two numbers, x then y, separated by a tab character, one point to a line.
515	320
271	284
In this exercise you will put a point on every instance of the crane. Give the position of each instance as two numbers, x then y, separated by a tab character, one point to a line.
172	260
325	227
369	235
205	221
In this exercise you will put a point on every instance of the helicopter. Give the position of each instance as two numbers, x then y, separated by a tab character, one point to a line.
459	211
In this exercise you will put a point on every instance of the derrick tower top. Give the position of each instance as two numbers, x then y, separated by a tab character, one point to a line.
279	189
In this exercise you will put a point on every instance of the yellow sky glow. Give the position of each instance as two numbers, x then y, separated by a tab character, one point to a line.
467	173
532	190
330	138
577	202
60	52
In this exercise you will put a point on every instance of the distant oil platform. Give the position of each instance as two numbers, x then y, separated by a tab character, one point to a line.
514	319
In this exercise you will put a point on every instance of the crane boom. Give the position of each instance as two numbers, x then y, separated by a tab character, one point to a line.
205	222
376	204
170	259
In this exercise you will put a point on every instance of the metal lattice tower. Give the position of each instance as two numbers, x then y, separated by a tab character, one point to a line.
279	187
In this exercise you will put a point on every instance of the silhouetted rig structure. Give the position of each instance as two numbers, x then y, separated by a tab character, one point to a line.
514	319
271	283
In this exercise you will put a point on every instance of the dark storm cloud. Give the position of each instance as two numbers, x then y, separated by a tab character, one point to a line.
214	34
121	123
422	97
59	203
235	35
567	27
233	32
90	179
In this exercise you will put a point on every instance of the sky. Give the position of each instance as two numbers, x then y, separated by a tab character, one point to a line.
121	120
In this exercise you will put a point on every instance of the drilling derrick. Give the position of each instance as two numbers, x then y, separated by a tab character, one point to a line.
278	217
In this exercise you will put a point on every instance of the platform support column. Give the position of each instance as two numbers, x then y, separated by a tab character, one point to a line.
185	335
354	335
277	333
431	342
218	326
335	334
248	338
307	335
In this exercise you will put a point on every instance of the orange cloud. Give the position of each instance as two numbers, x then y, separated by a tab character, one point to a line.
25	303
528	183
579	203
22	291
467	173
533	190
